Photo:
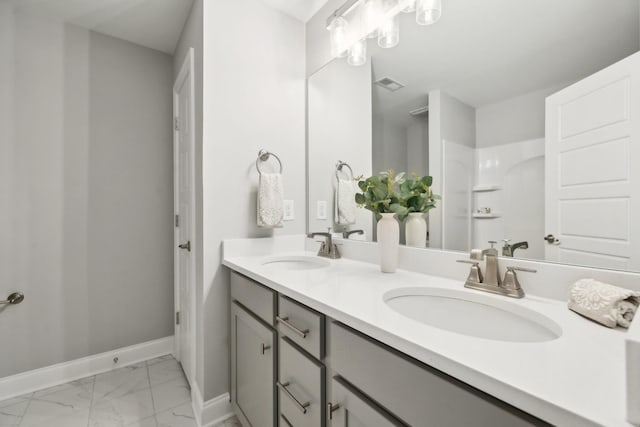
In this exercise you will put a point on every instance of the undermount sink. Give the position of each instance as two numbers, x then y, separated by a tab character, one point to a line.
473	314
296	263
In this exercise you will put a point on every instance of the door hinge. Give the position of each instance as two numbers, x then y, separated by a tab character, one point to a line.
177	221
177	317
176	123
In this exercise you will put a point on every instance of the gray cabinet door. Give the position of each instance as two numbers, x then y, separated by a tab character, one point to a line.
252	369
348	407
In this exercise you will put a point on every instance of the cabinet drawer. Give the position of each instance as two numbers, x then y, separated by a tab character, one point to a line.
255	297
413	392
300	387
302	325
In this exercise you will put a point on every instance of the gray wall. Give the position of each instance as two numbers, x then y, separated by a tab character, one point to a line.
254	97
87	226
516	119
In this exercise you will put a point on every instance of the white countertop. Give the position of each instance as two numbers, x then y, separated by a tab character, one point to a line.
577	379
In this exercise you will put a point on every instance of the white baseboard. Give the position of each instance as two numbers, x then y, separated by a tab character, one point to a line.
37	379
212	411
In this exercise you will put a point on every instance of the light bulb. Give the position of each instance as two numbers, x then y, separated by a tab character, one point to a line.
338	37
428	11
410	7
358	53
389	32
370	17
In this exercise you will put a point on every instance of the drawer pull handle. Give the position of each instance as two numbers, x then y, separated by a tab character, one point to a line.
302	406
286	421
264	347
285	321
331	408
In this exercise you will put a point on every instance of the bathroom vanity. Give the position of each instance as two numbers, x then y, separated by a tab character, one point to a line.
296	366
318	342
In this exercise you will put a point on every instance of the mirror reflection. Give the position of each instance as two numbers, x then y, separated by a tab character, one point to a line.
523	114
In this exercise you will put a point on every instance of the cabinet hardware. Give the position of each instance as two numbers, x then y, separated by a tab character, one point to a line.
285	321
186	246
331	408
264	347
301	406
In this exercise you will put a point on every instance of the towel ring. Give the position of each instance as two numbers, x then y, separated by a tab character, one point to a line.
339	167
263	156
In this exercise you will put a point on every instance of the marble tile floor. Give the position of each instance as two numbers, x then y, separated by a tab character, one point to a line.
154	393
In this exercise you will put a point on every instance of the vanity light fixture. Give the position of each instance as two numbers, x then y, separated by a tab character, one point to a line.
428	11
338	37
358	53
410	7
357	20
389	30
370	16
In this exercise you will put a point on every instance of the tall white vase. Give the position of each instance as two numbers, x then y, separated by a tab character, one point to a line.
416	230
388	242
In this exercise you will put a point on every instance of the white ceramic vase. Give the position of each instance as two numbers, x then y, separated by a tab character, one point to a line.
416	230
388	242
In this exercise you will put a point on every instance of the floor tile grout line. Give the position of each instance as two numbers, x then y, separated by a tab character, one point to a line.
93	391
26	409
153	402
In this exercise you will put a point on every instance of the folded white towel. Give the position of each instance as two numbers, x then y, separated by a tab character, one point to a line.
604	303
270	200
345	203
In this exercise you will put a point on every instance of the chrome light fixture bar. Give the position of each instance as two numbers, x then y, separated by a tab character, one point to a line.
343	10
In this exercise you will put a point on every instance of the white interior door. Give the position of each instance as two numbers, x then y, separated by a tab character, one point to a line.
592	174
184	205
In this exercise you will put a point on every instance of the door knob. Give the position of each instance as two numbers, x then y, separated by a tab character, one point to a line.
551	239
14	298
186	246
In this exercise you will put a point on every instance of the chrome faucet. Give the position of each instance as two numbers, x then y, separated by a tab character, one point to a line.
508	250
492	282
492	275
346	233
328	249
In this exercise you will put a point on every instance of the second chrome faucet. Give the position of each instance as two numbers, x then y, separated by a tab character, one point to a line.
491	280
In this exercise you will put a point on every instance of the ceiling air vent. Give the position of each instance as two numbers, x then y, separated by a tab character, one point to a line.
389	84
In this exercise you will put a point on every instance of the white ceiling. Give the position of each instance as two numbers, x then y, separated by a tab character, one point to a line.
156	24
302	10
490	50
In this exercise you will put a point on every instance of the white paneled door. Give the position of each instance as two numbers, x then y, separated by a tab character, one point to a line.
184	209
593	169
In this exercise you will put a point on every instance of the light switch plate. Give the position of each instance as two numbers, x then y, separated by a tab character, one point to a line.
321	209
289	213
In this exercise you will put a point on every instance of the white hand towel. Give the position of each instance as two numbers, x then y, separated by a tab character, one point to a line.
604	303
345	203
270	200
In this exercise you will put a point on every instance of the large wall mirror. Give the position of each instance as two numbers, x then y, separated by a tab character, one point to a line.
506	104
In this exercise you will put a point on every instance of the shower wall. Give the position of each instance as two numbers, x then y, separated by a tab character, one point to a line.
85	192
514	173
